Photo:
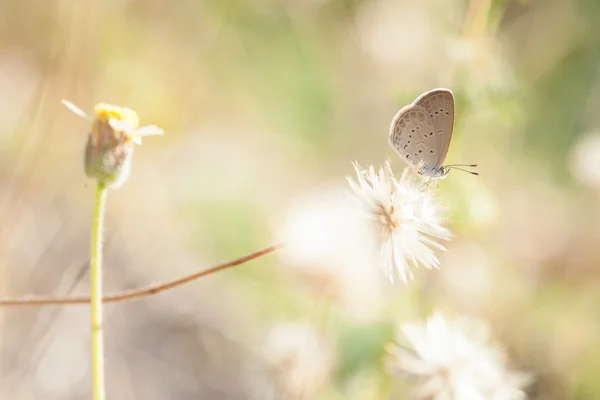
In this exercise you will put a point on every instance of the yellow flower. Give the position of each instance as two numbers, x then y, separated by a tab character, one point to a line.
113	123
109	149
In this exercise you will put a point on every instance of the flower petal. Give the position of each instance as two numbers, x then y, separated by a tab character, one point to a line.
75	109
149	130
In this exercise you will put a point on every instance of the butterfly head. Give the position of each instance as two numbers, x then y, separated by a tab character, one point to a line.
435	172
441	172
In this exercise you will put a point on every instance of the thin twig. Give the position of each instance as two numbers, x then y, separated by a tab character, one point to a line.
137	293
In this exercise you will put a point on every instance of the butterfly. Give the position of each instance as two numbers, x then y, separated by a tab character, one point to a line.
421	132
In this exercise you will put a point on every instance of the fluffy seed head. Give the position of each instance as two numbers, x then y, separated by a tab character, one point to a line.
454	359
406	218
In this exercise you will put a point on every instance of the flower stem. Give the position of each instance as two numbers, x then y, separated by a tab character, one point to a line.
96	292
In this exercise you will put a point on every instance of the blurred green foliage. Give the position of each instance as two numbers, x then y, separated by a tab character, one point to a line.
266	101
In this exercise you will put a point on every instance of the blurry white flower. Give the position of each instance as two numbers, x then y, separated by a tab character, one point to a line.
328	248
405	215
454	360
300	359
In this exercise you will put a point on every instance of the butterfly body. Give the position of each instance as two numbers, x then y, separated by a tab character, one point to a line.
421	132
434	172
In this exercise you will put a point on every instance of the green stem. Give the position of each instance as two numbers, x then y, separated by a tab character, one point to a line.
96	295
385	387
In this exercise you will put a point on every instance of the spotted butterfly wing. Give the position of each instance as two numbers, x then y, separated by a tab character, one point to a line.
439	104
412	135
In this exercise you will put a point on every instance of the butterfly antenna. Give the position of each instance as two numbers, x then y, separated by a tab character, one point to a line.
462	165
462	169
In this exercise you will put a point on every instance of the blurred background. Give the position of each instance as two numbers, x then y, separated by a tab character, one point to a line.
265	104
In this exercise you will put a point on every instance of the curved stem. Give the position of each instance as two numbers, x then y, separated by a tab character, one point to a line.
96	292
477	18
141	292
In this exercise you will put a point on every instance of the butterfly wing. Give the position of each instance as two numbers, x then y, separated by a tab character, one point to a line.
412	135
439	104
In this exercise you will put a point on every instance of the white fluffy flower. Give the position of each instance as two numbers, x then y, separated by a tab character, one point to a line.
406	216
454	360
328	244
300	359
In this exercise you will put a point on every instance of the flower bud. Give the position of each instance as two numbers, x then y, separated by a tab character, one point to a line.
109	148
